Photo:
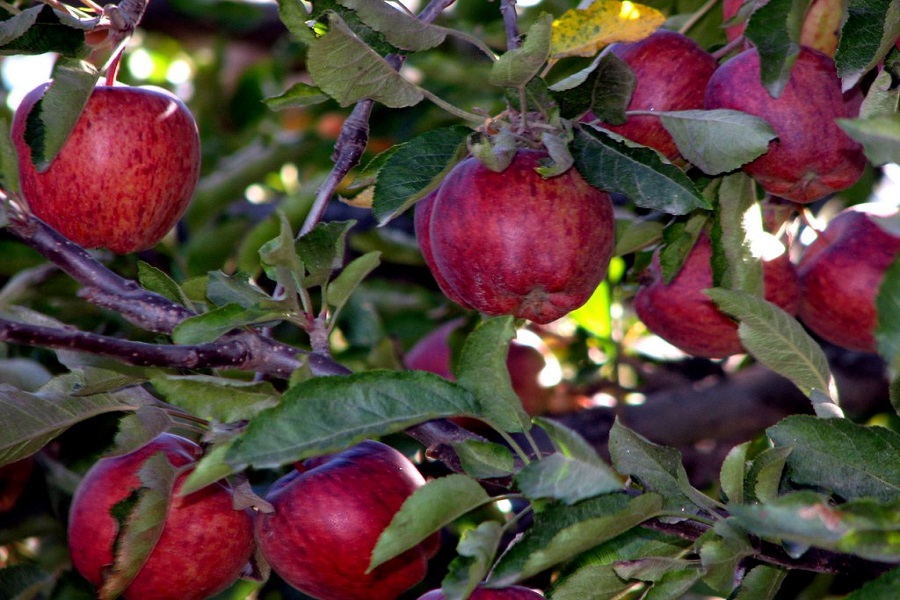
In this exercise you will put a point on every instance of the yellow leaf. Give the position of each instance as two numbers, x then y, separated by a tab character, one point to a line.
584	32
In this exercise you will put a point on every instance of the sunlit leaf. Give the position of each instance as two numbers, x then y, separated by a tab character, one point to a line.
604	89
329	414
778	341
568	479
363	73
561	532
518	66
864	41
216	398
719	140
584	32
434	505
612	164
836	454
879	135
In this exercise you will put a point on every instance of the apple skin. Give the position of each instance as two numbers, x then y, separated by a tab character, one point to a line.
812	157
514	242
327	521
205	544
680	313
840	275
13	480
432	353
483	593
125	175
671	72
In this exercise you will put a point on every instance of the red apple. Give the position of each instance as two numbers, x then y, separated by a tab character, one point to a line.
125	175
680	313
840	276
671	72
328	518
812	157
13	479
483	593
432	353
514	242
730	9
205	543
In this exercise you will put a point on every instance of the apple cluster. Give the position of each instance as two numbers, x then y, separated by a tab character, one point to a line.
328	514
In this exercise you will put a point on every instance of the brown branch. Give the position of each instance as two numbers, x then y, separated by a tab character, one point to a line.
149	311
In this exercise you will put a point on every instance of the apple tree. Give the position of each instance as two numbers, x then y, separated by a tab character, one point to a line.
450	300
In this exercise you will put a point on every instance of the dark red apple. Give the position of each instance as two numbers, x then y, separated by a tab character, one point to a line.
812	157
483	593
840	276
328	518
514	242
205	543
432	353
671	72
125	175
680	313
13	479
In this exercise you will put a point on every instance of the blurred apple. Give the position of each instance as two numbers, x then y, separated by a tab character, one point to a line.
526	363
680	313
841	273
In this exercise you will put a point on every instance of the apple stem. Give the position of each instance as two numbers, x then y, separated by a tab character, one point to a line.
112	69
699	14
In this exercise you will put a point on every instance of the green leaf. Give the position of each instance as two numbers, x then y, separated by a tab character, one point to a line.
211	468
9	164
718	140
517	67
604	89
883	97
569	442
762	582
295	17
482	370
322	251
865	527
882	588
637	235
210	326
216	398
567	479
777	340
562	532
143	525
328	414
237	289
413	169
657	468
434	505
483	460
774	28
38	30
674	584
351	276
363	73
476	549
593	573
141	427
739	237
653	568
721	555
637	172
298	95
863	42
399	28
680	237
764	476
852	460
158	281
731	474
879	135
33	420
54	116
